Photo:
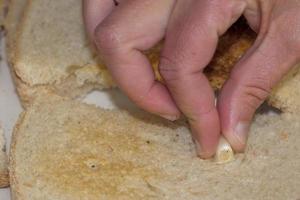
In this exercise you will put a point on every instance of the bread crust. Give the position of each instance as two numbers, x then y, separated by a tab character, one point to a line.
14	186
4	179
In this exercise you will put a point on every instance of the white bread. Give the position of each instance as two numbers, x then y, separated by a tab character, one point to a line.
55	54
12	23
4	180
63	150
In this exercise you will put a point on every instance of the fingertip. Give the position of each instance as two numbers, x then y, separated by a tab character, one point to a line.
202	154
237	145
170	117
235	115
206	134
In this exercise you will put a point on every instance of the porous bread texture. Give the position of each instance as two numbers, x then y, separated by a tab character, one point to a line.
55	53
4	179
12	23
86	78
64	149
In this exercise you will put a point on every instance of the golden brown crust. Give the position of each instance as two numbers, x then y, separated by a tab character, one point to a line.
232	46
4	179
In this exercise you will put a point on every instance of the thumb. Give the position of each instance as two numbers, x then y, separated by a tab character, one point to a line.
250	83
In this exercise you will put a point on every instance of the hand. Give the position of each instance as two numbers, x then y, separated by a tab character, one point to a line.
191	29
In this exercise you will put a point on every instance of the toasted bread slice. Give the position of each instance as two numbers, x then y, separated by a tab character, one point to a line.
60	59
55	53
63	149
4	180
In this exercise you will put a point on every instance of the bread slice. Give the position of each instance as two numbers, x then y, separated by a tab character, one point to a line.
4	180
63	150
12	23
55	54
60	59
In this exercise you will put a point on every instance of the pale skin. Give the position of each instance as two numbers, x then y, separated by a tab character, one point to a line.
191	29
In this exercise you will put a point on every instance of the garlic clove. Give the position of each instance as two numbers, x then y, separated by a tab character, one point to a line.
224	152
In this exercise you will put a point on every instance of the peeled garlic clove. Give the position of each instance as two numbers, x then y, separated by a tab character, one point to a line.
224	152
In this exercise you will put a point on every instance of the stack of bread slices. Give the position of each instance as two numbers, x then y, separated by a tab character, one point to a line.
64	149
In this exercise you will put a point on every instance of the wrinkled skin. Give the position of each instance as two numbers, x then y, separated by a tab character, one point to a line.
191	29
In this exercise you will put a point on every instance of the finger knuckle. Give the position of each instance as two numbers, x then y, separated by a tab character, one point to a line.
173	69
255	95
107	37
168	69
253	91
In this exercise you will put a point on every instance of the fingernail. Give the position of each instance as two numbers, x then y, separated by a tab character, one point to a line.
200	152
241	132
170	117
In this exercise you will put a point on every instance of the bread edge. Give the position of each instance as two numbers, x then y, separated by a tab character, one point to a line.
4	175
15	188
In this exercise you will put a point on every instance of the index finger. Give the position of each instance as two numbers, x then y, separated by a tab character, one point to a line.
190	44
131	28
